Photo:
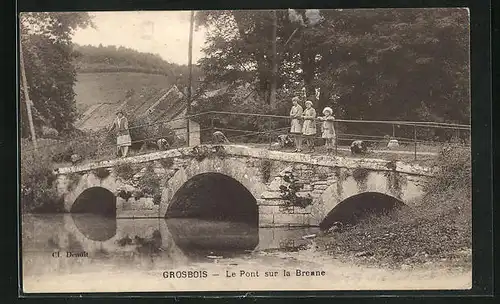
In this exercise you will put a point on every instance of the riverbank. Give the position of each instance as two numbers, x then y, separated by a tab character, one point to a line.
439	230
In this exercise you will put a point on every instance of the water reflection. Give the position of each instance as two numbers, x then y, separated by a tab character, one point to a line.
195	236
95	227
151	243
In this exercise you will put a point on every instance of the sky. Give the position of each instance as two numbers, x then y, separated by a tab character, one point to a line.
162	33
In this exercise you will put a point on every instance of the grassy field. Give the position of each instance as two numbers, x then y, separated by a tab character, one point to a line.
93	88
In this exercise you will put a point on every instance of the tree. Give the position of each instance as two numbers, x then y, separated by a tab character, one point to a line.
239	48
367	64
48	55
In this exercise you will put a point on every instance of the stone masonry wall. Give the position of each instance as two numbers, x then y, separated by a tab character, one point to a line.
325	181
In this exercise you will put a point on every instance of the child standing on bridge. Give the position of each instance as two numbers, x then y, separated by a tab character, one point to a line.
328	129
309	126
296	124
123	140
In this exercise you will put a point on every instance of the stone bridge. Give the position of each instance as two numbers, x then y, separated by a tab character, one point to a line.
273	188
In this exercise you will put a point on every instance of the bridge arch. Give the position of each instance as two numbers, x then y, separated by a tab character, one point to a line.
408	191
95	200
234	173
214	196
356	207
72	190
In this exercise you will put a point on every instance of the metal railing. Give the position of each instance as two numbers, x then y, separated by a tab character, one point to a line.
264	129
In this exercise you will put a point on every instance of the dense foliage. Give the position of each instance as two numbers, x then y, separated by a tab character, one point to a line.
48	60
38	192
367	64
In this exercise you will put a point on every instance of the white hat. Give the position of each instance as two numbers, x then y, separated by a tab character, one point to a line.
296	99
308	102
327	109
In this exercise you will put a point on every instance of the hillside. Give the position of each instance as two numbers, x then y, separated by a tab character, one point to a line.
110	74
113	87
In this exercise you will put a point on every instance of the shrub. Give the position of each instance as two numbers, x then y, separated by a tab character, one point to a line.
101	173
360	174
149	183
455	170
201	152
143	130
157	198
289	192
232	103
167	163
124	171
91	145
265	169
38	191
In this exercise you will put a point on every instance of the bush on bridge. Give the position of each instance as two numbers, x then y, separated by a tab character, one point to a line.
229	102
149	184
88	145
143	131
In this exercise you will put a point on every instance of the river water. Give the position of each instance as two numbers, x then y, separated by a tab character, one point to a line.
89	253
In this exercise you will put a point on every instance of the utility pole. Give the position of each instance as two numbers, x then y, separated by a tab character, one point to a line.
27	96
274	58
190	77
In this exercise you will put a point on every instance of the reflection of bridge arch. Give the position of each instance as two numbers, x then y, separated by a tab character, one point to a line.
359	206
198	236
87	243
123	228
234	173
170	248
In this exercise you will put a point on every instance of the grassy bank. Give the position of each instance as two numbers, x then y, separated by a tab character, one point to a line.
440	228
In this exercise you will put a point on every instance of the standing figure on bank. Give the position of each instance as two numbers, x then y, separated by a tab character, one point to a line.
309	125
296	124
328	129
123	140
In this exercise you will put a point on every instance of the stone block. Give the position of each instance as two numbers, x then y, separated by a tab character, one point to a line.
159	171
266	220
316	194
320	183
286	209
266	209
307	187
303	193
269	202
271	195
299	210
320	187
289	219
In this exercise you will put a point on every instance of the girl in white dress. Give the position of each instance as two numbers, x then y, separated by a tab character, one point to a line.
328	128
309	125
296	124
123	140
